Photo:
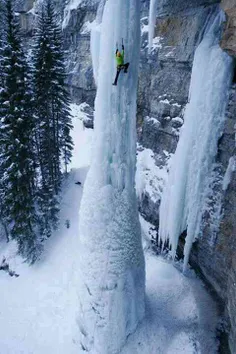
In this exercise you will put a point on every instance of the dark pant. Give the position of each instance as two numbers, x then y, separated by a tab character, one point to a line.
119	68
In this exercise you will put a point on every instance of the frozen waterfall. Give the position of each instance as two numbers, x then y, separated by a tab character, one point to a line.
184	195
95	39
151	23
111	257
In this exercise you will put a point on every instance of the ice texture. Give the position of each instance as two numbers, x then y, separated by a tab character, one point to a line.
95	39
113	282
152	23
185	192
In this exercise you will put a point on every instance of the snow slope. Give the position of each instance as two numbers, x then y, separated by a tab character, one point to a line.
180	317
150	178
37	309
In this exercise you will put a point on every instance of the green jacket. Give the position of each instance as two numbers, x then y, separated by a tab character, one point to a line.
120	60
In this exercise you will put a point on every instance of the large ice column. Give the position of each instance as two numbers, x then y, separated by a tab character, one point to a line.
111	255
184	195
151	23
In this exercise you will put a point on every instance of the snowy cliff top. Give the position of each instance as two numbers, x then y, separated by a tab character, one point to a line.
73	5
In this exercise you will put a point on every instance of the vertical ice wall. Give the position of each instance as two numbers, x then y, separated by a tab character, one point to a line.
95	39
111	257
184	195
151	23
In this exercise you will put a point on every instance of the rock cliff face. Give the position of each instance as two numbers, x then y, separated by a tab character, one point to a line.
228	40
163	97
163	93
77	44
215	251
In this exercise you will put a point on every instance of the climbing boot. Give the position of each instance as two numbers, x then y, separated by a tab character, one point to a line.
126	68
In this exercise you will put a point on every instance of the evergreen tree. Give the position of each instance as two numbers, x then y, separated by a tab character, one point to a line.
17	158
54	143
2	38
2	46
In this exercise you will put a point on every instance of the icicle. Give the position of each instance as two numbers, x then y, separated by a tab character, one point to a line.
228	174
152	23
184	195
95	39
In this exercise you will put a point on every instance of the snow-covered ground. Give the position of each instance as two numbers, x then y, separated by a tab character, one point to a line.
38	309
180	317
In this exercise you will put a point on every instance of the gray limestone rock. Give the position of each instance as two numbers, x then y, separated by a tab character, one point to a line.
166	7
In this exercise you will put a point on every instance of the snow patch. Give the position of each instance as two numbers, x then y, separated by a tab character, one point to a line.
150	178
165	101
153	120
180	316
82	137
178	119
149	233
144	29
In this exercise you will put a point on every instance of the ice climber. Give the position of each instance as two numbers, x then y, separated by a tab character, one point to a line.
120	63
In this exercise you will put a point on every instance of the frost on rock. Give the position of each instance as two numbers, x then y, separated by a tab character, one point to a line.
111	257
185	192
150	178
152	23
156	43
71	5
